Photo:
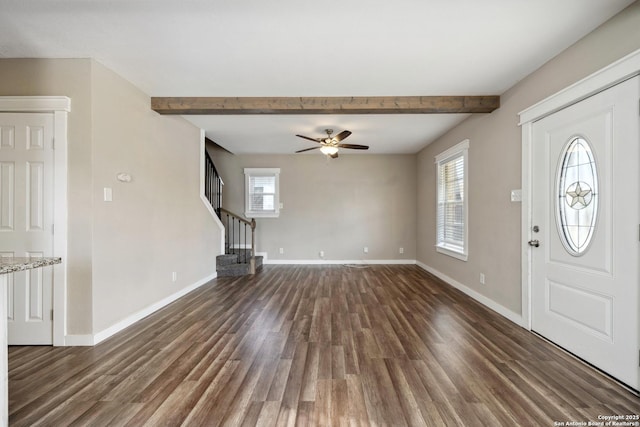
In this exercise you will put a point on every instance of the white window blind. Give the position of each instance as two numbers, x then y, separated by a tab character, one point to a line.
452	201
262	193
262	198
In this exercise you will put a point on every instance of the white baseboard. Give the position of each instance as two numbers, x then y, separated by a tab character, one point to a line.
503	311
339	261
89	340
78	340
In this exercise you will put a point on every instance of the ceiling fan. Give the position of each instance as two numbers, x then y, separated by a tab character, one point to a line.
330	145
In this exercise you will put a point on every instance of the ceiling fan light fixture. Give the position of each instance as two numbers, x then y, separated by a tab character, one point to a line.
329	150
329	146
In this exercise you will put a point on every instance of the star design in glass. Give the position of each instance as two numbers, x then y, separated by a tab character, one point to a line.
578	195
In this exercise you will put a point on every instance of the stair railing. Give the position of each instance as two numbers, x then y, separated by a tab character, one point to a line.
212	184
236	233
236	236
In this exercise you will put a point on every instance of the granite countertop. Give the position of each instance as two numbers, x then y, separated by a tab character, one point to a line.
11	264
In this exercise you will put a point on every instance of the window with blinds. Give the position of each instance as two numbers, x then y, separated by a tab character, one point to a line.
261	192
452	210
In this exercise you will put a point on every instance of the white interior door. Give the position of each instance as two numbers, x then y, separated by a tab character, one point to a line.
26	222
586	210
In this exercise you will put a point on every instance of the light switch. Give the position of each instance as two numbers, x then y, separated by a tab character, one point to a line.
516	195
108	194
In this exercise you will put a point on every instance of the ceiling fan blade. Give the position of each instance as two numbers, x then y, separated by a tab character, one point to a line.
342	135
334	155
310	139
354	146
307	149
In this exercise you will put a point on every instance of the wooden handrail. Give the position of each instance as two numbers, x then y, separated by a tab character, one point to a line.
251	222
213	192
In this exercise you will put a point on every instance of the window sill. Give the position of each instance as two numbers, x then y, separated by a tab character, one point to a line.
452	252
262	214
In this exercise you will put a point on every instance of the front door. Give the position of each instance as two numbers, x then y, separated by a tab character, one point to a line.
26	222
585	230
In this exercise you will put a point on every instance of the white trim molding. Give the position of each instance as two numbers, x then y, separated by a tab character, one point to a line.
261	172
526	213
59	106
452	151
487	302
619	71
203	197
339	261
611	75
79	340
35	104
444	245
93	339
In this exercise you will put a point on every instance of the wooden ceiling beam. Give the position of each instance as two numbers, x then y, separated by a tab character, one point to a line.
326	105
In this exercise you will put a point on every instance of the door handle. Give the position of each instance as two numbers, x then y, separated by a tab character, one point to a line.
534	243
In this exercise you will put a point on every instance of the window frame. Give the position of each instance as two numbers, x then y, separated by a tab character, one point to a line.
261	172
459	251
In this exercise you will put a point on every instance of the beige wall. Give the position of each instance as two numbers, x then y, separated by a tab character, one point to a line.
121	254
337	206
157	224
495	166
72	78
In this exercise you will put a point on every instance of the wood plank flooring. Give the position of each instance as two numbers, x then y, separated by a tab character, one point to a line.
318	346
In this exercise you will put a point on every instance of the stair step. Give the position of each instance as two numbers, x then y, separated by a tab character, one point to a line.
226	259
235	268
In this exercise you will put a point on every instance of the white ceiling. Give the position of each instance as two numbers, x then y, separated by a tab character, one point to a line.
307	48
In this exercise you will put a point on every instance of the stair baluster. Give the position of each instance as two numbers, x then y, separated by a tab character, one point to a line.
234	243
238	241
212	184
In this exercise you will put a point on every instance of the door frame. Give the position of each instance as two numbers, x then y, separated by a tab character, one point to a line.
619	71
59	106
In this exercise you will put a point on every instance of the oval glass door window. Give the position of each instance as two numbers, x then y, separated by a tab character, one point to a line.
577	198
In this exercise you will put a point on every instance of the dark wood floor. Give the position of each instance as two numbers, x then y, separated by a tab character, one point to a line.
314	345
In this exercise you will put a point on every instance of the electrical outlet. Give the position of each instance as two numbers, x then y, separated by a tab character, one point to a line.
401	250
366	249
482	278
321	254
281	251
174	276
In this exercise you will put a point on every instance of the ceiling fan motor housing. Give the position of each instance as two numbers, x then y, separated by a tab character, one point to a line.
330	145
